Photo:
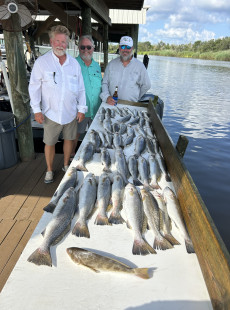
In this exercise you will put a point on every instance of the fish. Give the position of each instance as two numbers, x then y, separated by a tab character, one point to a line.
155	172
103	199
121	165
175	213
108	125
57	228
95	139
104	142
140	129
140	145
130	131
163	166
123	128
151	146
117	140
135	215
109	139
116	127
105	159
134	121
149	132
87	198
124	119
143	169
70	180
118	187
165	222
128	140
86	155
151	210
133	169
98	263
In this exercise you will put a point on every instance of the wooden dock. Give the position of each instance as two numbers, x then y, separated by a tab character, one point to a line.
23	194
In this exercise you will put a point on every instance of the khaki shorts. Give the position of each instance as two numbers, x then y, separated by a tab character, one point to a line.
52	131
81	127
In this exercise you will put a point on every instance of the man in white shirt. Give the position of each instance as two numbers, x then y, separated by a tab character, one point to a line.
57	96
126	72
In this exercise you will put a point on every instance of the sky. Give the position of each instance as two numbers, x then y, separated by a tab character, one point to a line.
185	21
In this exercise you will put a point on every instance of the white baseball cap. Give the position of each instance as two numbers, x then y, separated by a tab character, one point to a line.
126	41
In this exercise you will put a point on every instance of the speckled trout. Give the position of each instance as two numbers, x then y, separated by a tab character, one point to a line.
135	215
98	263
175	214
57	228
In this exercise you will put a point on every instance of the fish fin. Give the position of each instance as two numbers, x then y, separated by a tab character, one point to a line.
167	178
81	230
39	257
136	182
141	247
128	225
116	218
81	167
110	206
171	239
102	220
141	273
160	243
50	207
189	246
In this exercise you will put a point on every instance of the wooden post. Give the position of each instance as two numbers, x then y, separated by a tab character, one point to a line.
182	145
105	43
134	35
86	21
20	95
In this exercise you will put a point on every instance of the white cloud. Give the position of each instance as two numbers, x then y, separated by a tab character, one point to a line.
184	20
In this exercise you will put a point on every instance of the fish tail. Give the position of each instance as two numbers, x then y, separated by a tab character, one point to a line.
189	246
141	247
81	167
107	169
155	185
50	207
102	220
141	273
39	257
116	218
81	230
136	182
171	239
162	244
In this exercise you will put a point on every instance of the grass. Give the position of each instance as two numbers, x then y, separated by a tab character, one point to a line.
220	55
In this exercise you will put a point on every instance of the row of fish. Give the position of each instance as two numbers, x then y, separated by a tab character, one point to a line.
142	207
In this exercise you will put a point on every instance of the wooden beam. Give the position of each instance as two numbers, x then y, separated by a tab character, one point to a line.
86	21
44	26
100	8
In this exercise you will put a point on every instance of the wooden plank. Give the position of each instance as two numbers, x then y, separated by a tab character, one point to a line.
5	173
212	254
13	258
20	189
42	191
5	227
11	241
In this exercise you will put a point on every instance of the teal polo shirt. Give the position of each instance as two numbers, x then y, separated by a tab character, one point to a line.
92	80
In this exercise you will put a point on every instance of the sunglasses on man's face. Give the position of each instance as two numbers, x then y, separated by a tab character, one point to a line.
83	47
126	47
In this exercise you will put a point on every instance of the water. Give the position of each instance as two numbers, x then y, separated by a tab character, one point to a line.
197	105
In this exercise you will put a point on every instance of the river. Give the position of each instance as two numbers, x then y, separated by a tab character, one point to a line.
197	104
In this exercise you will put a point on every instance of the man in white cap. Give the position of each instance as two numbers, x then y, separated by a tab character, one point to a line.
126	72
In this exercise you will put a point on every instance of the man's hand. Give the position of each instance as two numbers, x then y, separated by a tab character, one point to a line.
80	117
39	117
110	100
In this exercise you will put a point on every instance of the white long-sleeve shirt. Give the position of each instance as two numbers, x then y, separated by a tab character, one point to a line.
57	90
132	81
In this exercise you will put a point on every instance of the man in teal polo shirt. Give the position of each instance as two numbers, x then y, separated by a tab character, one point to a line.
91	72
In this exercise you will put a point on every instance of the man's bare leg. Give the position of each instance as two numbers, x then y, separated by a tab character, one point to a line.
49	155
67	149
75	145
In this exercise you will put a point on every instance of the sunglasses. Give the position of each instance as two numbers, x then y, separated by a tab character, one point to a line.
83	47
126	47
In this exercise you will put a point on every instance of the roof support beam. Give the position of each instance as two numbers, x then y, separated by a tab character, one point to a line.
100	8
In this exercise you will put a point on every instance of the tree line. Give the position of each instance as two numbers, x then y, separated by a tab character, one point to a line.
217	49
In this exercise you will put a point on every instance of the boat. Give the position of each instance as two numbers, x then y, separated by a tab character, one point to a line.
178	268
